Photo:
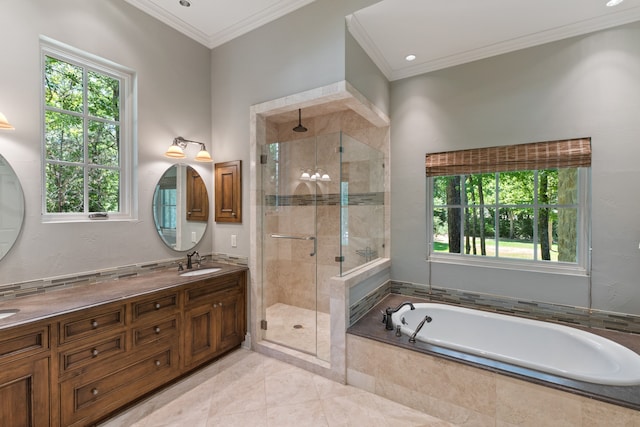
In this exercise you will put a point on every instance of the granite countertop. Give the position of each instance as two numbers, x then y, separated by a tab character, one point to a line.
49	304
371	326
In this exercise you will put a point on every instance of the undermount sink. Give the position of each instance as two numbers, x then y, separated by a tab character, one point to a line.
7	313
200	271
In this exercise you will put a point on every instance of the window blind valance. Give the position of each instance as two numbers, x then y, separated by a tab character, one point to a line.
538	155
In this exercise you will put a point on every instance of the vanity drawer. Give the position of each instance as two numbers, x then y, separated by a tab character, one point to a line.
88	399
209	290
91	322
163	329
91	354
16	343
157	306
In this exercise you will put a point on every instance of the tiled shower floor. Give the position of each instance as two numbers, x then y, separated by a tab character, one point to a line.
249	389
295	328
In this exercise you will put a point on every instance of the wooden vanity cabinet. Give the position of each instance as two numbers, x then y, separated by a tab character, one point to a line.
78	368
136	351
214	317
24	376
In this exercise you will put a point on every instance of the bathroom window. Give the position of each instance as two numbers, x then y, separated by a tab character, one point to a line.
511	205
88	137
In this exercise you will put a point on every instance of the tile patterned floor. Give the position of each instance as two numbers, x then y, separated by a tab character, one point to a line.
249	389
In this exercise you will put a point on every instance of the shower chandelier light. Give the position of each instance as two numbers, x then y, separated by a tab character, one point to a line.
315	176
176	150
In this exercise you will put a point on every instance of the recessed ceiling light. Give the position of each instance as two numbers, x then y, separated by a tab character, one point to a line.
185	3
612	3
410	57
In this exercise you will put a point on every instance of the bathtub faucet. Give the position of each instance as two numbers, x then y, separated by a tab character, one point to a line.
427	319
389	311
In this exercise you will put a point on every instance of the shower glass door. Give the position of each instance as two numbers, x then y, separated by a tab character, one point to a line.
290	245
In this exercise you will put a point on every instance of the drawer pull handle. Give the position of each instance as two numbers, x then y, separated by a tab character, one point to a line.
157	363
94	324
157	306
157	329
94	391
94	352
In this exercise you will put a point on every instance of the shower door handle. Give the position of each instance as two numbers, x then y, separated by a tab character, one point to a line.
284	236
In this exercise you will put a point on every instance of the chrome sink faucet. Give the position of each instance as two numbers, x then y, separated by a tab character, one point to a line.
386	318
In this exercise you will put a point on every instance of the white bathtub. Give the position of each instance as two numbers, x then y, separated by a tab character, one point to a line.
547	347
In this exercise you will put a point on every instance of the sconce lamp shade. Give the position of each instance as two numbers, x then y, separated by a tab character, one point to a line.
203	155
175	152
4	123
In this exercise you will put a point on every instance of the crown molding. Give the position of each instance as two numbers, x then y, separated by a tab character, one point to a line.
216	39
610	20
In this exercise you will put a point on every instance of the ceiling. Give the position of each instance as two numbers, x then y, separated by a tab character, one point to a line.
440	33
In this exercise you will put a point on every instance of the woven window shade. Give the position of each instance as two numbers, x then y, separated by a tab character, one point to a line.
538	155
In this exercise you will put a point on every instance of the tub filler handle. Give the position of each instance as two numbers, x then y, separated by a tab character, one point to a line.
284	236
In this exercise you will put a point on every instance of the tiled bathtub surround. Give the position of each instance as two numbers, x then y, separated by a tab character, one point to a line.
471	390
16	290
467	396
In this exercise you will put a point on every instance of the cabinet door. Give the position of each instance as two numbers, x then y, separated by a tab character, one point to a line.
200	338
24	393
229	191
231	321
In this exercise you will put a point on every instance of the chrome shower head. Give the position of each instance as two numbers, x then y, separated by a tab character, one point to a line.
299	128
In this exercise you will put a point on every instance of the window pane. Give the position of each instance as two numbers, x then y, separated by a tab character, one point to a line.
440	230
478	226
103	143
104	190
480	189
63	85
516	233
63	137
103	96
516	187
566	234
446	224
440	190
64	188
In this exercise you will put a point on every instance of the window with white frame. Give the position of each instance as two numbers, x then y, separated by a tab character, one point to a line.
88	136
522	203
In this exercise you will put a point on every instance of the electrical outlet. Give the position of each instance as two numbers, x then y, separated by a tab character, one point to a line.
234	241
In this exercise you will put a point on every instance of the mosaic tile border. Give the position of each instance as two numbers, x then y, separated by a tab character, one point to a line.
580	316
32	287
356	199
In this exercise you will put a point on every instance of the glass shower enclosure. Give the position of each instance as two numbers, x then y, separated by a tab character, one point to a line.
322	216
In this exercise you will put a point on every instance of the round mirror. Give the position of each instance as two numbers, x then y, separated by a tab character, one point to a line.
181	207
11	207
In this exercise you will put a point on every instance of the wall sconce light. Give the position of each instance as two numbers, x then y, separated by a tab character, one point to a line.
4	123
176	150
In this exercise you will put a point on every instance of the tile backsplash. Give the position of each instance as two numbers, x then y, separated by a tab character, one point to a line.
16	290
580	316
